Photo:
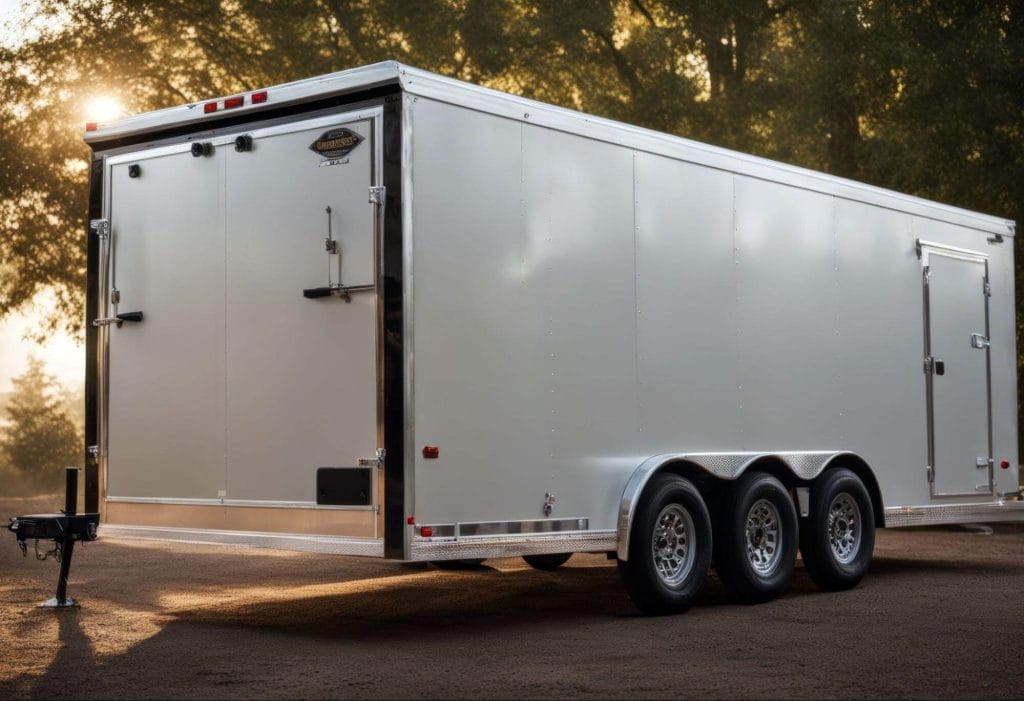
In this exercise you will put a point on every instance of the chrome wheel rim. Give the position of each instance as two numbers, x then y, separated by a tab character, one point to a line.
764	537
672	544
844	530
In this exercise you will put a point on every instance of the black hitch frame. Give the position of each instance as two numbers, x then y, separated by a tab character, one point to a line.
64	529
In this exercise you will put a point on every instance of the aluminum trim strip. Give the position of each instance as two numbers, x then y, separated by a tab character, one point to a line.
903	516
365	547
497	528
265	504
512	546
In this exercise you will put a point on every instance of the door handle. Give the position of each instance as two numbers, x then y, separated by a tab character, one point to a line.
940	367
118	319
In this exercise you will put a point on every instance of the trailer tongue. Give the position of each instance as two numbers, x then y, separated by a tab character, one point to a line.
64	529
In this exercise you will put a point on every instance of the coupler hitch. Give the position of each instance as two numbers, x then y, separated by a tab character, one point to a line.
63	529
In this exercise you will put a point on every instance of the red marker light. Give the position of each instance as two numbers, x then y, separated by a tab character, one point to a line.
431	451
258	98
232	102
1004	464
426	531
91	126
411	520
210	107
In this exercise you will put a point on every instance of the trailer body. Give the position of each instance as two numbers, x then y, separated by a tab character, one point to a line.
529	313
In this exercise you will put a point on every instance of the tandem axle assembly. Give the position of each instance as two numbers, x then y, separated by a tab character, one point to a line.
63	529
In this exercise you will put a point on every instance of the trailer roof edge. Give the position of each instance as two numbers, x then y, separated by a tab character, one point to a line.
423	83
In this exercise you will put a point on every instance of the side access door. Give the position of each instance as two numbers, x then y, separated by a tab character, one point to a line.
957	372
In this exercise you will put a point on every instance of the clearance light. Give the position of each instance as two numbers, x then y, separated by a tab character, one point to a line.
91	126
411	520
431	451
258	98
210	107
232	102
1005	464
426	531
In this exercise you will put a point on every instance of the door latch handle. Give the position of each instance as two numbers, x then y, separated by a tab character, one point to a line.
119	319
979	340
940	367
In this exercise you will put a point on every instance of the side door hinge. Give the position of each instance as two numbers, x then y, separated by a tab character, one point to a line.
377	194
931	473
986	288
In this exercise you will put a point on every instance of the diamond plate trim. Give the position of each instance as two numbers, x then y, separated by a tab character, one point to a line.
902	516
512	546
366	547
804	464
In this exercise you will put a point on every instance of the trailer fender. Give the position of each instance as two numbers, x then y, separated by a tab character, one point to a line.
803	465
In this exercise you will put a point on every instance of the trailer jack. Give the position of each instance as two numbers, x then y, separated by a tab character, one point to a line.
63	529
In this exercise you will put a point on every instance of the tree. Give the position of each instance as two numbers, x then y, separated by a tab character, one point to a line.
919	97
40	438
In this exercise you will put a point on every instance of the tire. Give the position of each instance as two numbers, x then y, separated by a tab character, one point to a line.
457	564
756	538
547	562
669	547
838	536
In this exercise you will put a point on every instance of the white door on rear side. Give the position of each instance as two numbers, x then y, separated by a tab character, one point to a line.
301	373
235	387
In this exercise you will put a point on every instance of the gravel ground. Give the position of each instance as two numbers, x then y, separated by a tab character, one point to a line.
939	615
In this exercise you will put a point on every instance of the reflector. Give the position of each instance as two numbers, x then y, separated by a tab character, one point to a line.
210	107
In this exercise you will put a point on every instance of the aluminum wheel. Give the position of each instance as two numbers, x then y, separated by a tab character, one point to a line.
844	531
672	544
764	537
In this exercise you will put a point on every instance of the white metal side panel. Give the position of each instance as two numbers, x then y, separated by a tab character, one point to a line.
786	317
880	390
480	281
686	307
524	314
166	380
584	191
301	373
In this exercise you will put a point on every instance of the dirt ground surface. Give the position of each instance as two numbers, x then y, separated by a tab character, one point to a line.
939	615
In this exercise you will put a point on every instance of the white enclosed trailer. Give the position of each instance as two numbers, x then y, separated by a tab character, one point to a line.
387	313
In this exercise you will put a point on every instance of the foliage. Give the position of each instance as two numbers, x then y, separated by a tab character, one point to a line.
40	439
922	97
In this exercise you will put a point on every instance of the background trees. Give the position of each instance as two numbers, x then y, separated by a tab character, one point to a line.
40	438
924	97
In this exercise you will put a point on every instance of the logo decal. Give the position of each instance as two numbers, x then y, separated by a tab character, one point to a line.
336	143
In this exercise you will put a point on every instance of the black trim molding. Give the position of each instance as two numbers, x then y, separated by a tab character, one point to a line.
394	342
92	365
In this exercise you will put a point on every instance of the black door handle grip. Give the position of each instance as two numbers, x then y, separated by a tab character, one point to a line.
940	367
317	292
130	316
